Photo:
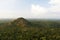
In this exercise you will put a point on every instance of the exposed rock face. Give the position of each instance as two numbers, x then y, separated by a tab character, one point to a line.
21	22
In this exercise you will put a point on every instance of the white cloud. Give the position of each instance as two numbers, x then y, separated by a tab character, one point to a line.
51	12
54	2
38	10
7	10
55	5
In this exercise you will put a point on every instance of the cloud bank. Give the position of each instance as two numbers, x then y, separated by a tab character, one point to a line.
29	9
53	11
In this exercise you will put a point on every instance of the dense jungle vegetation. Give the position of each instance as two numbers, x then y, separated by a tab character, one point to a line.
22	29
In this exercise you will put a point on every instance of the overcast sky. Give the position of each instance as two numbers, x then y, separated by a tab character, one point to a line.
30	9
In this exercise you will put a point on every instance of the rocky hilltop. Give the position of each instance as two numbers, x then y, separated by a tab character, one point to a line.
21	22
